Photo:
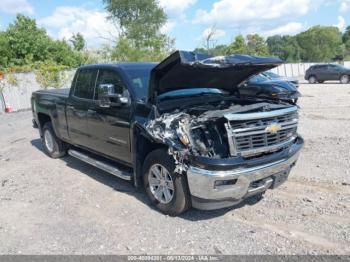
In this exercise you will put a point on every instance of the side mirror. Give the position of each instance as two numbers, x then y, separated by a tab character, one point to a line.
109	98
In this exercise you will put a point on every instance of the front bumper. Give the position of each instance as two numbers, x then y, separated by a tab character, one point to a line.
213	189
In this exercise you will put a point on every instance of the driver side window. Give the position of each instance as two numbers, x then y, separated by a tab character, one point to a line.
110	77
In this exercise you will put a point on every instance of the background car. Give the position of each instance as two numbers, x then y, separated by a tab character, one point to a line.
273	76
324	72
264	87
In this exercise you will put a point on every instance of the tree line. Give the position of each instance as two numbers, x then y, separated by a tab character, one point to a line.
25	45
317	44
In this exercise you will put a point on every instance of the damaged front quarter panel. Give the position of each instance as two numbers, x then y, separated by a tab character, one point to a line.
172	130
187	135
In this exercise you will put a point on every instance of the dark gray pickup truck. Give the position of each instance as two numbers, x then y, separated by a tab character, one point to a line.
180	128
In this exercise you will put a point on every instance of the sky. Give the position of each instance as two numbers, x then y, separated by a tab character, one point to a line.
189	21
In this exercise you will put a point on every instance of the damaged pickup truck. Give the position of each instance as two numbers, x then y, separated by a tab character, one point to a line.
180	128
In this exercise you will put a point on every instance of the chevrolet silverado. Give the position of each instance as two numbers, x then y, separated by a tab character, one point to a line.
180	128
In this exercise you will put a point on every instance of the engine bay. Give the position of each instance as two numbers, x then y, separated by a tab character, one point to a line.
199	130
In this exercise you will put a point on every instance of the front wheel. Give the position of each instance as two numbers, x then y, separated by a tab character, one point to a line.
53	146
167	190
344	79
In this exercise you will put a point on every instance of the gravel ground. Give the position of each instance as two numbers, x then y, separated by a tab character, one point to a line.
67	207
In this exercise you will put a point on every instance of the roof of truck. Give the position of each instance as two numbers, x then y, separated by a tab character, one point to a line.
122	65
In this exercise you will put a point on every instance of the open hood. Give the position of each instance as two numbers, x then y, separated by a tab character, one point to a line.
183	70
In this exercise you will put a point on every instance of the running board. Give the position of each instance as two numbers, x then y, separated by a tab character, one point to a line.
99	164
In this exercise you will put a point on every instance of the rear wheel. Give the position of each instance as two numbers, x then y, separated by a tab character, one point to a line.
344	79
53	146
312	80
167	189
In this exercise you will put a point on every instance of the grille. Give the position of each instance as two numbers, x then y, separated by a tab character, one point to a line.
264	122
252	137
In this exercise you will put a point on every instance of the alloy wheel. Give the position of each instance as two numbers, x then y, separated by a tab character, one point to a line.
48	139
161	184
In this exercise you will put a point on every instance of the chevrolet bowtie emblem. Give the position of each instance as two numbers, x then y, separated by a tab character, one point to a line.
273	128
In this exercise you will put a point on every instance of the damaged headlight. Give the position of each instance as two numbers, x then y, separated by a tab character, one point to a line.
182	135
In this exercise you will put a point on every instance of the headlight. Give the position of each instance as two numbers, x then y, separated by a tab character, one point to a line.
183	137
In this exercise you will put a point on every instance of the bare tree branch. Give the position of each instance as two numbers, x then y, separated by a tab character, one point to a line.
210	35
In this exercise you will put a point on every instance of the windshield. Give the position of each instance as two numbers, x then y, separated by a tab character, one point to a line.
271	74
258	79
139	77
191	92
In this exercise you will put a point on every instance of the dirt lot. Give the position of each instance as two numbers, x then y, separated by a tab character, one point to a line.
67	207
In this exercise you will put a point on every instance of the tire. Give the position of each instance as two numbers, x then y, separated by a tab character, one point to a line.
312	80
344	79
158	179
53	146
320	81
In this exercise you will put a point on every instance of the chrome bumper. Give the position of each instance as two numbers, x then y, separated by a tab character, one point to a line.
202	182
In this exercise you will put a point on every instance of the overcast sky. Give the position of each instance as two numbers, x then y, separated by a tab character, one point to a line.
188	21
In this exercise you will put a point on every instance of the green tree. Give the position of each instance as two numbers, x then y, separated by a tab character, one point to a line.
291	49
346	42
238	46
346	35
256	45
218	50
320	43
284	47
28	42
125	51
276	45
5	51
24	45
137	19
78	41
62	53
139	23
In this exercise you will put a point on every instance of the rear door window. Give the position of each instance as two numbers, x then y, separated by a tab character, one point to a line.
320	67
85	84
